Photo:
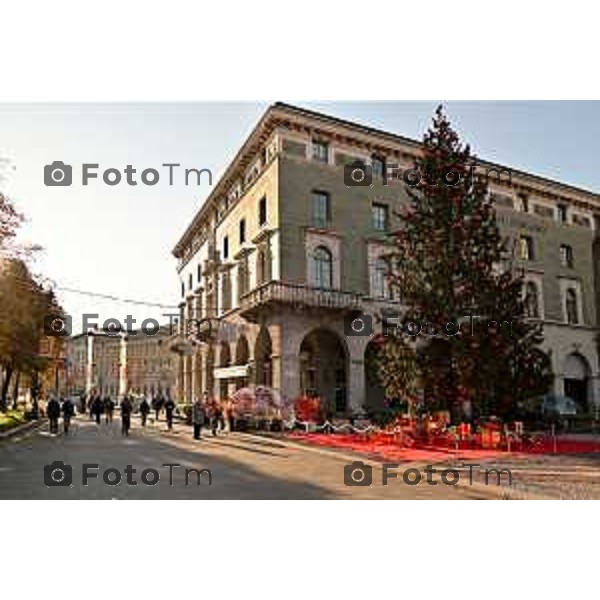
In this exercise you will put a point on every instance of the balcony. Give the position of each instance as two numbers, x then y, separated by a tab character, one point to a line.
296	297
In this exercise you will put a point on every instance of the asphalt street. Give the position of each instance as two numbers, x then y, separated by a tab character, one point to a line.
234	466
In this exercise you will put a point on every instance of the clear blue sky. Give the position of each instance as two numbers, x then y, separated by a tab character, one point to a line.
118	240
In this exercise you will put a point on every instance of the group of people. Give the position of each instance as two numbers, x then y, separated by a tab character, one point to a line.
54	408
217	416
98	406
160	403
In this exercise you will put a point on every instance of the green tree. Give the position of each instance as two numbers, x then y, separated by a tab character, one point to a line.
450	266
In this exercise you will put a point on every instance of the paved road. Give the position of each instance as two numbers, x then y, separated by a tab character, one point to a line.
242	467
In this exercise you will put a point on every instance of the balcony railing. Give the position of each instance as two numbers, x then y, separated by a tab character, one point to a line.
300	296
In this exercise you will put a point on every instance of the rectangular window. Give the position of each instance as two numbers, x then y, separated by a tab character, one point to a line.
262	211
524	201
242	231
182	288
199	273
190	282
526	247
380	216
320	151
226	247
566	256
321	210
562	213
378	166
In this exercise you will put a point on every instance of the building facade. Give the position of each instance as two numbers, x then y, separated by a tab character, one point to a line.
283	254
113	365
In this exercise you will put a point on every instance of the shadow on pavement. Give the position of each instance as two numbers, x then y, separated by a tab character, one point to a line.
22	468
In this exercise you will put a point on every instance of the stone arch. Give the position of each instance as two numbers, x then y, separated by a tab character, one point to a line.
242	351
263	350
576	379
324	368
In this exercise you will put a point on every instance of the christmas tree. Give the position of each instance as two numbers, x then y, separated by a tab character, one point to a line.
459	289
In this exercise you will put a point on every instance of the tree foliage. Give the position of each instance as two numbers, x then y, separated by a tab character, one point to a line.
457	282
24	303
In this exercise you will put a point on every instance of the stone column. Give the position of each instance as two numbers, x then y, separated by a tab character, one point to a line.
179	376
594	395
208	382
286	375
277	351
285	362
356	347
356	385
195	376
186	378
123	383
89	367
558	384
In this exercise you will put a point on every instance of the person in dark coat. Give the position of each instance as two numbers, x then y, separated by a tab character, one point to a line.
109	408
157	405
98	409
198	416
213	417
144	410
53	411
68	410
169	412
126	408
92	404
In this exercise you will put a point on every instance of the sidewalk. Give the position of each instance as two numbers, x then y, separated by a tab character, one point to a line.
183	434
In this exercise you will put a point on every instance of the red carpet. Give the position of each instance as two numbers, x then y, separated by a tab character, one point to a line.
381	446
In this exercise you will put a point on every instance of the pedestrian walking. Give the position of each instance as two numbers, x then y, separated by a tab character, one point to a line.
220	417
169	412
157	405
144	410
68	410
109	408
92	404
213	417
228	415
53	412
126	408
98	409
198	416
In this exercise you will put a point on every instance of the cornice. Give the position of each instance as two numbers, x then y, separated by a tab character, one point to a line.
372	141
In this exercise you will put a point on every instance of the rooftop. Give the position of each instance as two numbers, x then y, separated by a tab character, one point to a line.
281	110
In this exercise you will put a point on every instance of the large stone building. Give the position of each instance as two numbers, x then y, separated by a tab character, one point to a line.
112	365
283	253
